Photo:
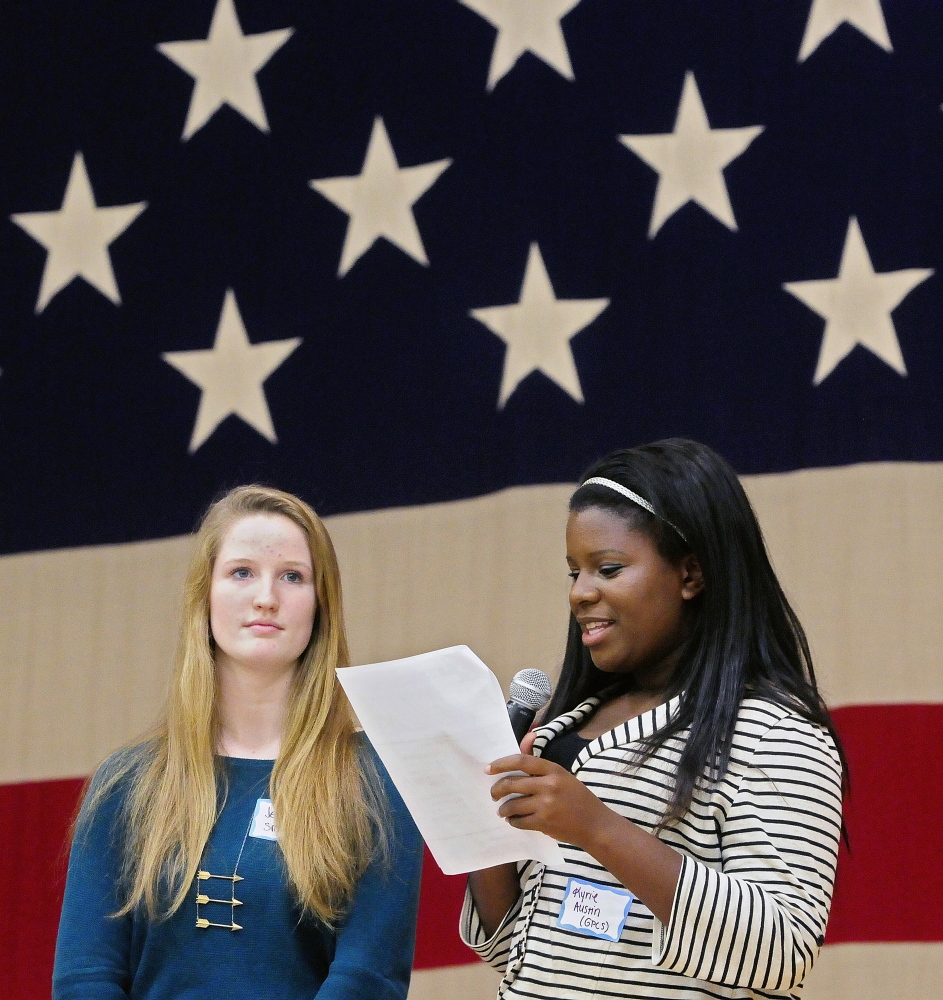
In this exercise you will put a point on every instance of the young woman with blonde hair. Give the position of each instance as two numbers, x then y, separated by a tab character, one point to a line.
253	846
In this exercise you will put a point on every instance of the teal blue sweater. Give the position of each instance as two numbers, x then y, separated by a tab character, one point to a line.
277	955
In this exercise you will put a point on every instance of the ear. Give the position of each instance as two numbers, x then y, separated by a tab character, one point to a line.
692	577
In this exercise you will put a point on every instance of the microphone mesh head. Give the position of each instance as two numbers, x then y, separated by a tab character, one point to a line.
531	688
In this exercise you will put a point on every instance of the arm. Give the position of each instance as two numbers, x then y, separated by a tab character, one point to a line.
492	943
557	803
760	921
92	949
494	891
492	895
374	951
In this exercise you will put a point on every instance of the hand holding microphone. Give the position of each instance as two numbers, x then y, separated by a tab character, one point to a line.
530	691
536	793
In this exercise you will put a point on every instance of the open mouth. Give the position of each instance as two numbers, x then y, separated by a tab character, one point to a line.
593	631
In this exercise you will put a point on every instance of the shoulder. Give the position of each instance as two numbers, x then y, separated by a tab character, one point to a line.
119	771
757	716
108	789
761	715
115	775
769	731
366	754
392	810
372	767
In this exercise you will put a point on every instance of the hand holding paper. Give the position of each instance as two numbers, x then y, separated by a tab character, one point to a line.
437	720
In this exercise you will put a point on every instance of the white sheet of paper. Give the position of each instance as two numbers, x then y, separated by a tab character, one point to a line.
436	720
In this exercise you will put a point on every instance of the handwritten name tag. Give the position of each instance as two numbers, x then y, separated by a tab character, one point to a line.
263	821
595	910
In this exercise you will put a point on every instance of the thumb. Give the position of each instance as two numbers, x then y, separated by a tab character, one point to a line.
528	741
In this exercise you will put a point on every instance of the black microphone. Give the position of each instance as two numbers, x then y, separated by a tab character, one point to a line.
530	691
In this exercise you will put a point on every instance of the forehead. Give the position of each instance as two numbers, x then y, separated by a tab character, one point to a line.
597	529
265	535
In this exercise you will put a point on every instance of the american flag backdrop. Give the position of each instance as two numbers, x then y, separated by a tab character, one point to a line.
421	262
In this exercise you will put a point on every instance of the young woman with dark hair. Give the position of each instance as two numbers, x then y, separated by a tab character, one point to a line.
686	763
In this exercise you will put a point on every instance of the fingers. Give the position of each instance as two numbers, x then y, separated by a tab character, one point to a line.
520	762
523	822
514	784
518	808
525	812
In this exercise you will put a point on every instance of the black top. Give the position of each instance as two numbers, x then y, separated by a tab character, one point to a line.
565	748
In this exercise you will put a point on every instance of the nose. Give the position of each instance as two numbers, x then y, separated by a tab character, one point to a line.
583	590
265	597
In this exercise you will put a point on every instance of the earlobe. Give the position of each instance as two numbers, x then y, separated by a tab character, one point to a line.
692	580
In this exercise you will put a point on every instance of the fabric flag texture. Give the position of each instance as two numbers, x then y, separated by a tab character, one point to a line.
421	263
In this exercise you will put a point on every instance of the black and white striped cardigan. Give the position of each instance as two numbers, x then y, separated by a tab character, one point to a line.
752	902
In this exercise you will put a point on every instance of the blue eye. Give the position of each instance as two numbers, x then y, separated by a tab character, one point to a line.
292	577
241	573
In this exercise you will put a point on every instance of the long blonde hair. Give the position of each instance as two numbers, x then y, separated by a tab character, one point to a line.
328	808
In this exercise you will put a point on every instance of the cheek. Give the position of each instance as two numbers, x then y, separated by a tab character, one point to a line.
667	617
222	608
216	611
302	613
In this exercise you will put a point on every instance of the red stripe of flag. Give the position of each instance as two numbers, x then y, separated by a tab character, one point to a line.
34	823
890	886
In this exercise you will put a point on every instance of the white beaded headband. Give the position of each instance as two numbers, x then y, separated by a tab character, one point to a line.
634	497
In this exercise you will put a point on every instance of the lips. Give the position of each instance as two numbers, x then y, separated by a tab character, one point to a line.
264	627
595	629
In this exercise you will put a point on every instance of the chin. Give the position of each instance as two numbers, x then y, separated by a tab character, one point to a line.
608	667
272	663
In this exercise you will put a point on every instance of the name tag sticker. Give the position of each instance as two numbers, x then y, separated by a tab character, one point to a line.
595	910
263	821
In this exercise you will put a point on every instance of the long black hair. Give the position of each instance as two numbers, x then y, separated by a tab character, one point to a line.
744	640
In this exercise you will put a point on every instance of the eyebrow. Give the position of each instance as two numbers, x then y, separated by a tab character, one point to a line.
603	552
249	559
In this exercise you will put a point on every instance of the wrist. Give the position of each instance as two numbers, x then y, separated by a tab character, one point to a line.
605	829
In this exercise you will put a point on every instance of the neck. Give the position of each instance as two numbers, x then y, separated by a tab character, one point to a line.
657	679
252	708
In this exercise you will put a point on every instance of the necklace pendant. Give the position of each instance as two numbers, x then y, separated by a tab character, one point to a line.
203	897
203	876
203	924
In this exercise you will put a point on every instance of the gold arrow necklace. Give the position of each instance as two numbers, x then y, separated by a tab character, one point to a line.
203	890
